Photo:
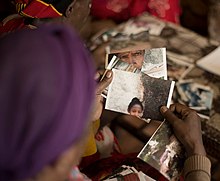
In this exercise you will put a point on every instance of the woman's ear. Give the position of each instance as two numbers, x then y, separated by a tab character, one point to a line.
70	8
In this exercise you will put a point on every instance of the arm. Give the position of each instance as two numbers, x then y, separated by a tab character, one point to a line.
98	102
187	128
95	114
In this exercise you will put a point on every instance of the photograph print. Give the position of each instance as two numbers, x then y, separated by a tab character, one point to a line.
126	172
149	61
196	96
164	152
138	94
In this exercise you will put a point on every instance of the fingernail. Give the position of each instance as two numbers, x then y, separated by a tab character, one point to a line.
109	74
163	109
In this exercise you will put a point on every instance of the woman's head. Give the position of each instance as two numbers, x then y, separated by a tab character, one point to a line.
46	93
136	108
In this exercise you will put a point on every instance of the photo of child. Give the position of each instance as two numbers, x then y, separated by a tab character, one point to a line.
138	94
135	108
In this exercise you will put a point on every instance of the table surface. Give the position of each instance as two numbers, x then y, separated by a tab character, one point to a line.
184	45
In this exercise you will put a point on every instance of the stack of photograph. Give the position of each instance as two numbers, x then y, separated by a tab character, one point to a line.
144	80
140	86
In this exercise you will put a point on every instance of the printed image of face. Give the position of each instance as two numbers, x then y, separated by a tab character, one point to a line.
136	58
136	110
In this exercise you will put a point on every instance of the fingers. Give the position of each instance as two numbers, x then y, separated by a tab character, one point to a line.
104	82
187	127
180	109
98	104
170	116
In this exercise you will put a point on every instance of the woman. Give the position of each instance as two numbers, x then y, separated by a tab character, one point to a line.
31	13
45	98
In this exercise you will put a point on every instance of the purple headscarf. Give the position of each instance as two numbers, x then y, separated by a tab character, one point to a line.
46	91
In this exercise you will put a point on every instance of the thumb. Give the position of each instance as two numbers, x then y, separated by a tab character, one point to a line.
104	82
170	116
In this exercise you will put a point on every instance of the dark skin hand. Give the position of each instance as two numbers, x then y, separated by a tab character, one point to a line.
98	103
187	127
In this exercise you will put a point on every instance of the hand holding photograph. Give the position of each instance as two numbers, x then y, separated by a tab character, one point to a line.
138	94
164	152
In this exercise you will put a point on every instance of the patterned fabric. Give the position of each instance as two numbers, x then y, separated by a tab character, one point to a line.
100	144
102	140
27	9
12	23
36	9
121	10
106	142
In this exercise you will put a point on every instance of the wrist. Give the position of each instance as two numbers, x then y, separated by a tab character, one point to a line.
196	149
